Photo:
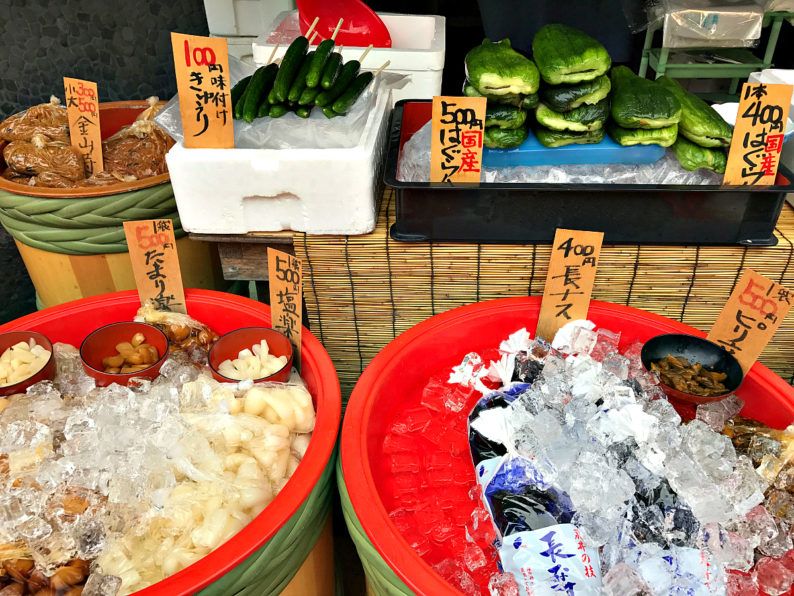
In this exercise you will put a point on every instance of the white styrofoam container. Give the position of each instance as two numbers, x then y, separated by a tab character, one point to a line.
418	49
234	18
317	191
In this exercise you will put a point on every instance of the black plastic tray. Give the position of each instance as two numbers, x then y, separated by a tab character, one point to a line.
500	213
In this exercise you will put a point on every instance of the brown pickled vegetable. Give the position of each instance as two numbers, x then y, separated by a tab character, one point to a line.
132	356
678	373
41	154
20	577
47	119
137	151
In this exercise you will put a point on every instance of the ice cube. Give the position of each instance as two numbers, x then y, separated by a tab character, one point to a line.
101	585
622	580
474	557
452	571
773	576
716	414
503	584
741	584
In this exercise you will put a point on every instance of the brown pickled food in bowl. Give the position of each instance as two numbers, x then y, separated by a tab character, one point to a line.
694	378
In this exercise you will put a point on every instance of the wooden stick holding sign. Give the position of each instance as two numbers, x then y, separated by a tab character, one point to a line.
285	276
457	139
570	280
757	141
155	263
82	110
202	80
751	317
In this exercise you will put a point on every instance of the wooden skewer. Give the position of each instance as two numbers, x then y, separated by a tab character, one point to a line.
273	54
314	24
380	70
364	55
313	37
338	27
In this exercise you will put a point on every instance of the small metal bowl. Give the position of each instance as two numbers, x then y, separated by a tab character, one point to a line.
695	349
46	373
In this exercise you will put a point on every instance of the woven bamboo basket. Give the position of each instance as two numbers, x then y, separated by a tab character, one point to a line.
363	291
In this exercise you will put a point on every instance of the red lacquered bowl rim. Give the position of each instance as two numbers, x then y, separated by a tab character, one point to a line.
278	373
21	386
123	378
361	487
265	525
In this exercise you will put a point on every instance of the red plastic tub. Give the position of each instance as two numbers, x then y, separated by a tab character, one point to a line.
73	321
394	381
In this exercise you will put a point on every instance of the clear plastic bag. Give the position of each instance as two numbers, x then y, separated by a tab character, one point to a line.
41	154
290	131
414	166
48	119
138	150
710	23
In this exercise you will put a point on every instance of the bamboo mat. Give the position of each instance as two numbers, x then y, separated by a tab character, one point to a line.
363	291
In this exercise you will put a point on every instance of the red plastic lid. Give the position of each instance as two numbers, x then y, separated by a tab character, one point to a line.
395	379
73	321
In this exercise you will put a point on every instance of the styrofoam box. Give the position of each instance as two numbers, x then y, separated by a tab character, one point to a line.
318	191
418	48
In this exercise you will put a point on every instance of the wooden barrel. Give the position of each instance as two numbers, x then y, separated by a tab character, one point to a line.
60	278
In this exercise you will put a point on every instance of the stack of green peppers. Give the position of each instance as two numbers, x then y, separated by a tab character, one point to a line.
702	133
304	80
510	83
643	111
574	99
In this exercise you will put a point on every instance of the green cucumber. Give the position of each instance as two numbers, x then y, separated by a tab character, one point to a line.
253	96
329	112
320	57
346	76
290	65
238	91
271	97
299	84
332	67
277	111
349	97
308	96
303	111
263	109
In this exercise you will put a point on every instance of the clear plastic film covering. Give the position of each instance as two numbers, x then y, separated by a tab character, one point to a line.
708	23
414	166
290	131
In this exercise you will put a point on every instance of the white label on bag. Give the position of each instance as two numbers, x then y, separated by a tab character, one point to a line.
552	561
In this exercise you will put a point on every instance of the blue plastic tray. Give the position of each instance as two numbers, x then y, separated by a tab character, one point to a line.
532	153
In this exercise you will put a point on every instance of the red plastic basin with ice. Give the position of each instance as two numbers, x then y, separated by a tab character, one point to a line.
73	321
411	459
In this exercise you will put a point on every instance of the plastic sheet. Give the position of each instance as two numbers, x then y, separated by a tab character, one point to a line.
41	155
709	23
47	119
414	166
290	131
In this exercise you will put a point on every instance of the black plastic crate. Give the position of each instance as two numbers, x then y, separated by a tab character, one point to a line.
500	213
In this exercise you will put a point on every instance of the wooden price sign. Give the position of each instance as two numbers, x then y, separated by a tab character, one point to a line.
570	280
757	141
82	110
457	139
285	276
202	80
155	263
751	317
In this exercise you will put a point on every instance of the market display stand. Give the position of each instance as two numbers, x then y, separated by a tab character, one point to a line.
746	62
362	291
